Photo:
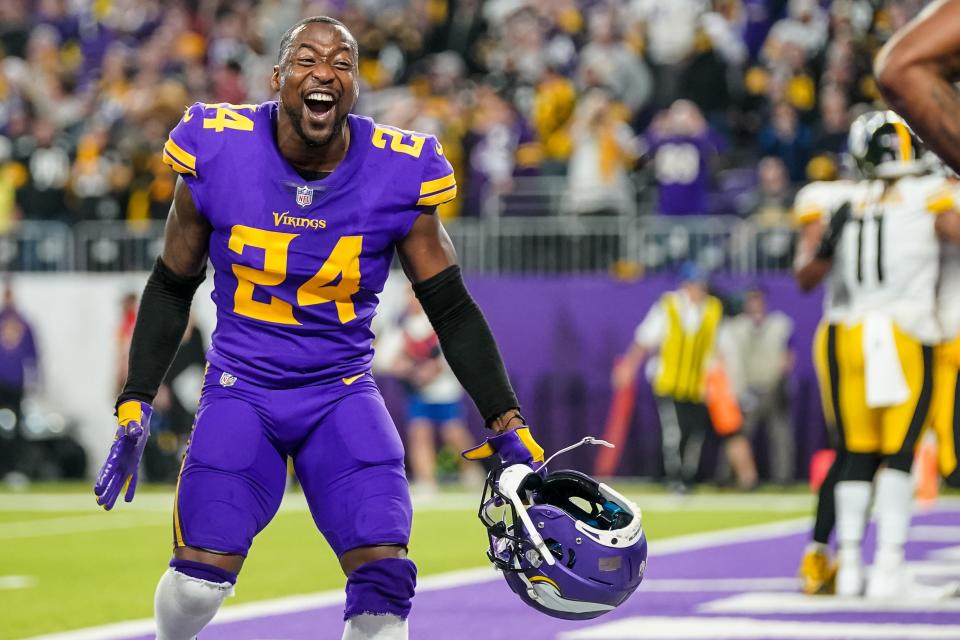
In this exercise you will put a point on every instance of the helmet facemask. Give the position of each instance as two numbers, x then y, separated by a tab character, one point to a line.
568	545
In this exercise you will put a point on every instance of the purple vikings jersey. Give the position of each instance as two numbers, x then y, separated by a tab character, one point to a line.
681	164
298	264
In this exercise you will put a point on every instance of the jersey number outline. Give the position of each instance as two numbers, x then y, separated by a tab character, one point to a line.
413	148
861	253
228	118
343	261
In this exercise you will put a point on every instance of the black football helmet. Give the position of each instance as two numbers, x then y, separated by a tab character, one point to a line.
883	146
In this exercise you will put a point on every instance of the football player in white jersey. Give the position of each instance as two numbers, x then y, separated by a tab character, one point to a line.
885	345
821	211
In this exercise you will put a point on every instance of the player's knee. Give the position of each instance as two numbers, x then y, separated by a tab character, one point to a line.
188	596
859	467
192	596
381	587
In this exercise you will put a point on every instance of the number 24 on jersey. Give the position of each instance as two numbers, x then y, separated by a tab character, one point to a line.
344	261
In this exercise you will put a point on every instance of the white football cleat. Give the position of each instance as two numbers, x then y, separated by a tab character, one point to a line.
850	579
887	581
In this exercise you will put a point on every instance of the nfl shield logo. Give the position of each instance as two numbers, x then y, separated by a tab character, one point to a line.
304	196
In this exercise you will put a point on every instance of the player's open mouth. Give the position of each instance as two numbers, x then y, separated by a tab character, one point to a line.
319	104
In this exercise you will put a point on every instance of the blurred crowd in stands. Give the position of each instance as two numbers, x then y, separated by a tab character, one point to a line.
724	106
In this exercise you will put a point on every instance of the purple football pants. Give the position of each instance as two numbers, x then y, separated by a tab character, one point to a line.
345	448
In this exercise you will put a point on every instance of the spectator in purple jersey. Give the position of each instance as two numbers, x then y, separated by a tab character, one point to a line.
758	17
301	206
18	374
681	146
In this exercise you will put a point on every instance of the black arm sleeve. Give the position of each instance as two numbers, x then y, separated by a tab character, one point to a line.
467	342
161	322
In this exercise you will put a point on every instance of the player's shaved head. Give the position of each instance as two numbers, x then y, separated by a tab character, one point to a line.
286	41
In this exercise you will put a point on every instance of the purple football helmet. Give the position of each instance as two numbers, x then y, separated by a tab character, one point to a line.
568	545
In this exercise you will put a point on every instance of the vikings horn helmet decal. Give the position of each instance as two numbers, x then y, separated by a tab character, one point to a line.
568	545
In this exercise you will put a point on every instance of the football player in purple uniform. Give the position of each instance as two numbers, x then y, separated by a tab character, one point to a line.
298	205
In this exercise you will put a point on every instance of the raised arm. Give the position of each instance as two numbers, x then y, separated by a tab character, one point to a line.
916	70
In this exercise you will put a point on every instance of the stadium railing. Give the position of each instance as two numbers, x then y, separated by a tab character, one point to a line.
539	244
38	246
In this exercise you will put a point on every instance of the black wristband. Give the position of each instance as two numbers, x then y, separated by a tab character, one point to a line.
833	233
467	342
161	321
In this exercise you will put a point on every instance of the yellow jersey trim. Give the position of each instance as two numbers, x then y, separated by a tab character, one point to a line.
941	202
430	186
177	529
808	215
438	198
176	166
186	159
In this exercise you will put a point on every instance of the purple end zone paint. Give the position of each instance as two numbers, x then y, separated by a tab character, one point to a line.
488	611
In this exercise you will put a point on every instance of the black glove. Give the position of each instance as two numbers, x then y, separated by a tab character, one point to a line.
831	237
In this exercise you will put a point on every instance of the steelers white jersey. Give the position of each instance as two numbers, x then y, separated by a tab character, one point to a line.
891	254
815	202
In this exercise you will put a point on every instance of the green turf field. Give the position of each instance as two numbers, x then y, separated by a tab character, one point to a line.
79	566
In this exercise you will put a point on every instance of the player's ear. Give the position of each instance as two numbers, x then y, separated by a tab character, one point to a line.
275	78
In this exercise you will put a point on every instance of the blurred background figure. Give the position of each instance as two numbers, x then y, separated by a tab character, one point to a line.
128	316
687	316
681	147
175	408
19	375
604	149
410	351
756	351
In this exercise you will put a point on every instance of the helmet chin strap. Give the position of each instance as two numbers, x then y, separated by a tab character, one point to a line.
587	440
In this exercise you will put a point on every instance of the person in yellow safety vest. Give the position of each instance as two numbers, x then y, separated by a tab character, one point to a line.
682	328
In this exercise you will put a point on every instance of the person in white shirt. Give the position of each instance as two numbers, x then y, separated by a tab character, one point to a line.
758	359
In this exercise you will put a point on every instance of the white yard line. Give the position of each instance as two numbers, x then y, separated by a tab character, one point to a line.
798	603
73	524
701	585
466	577
17	582
294	501
455	501
662	628
935	533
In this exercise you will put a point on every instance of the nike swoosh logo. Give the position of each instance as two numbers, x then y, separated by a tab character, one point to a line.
349	381
187	116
